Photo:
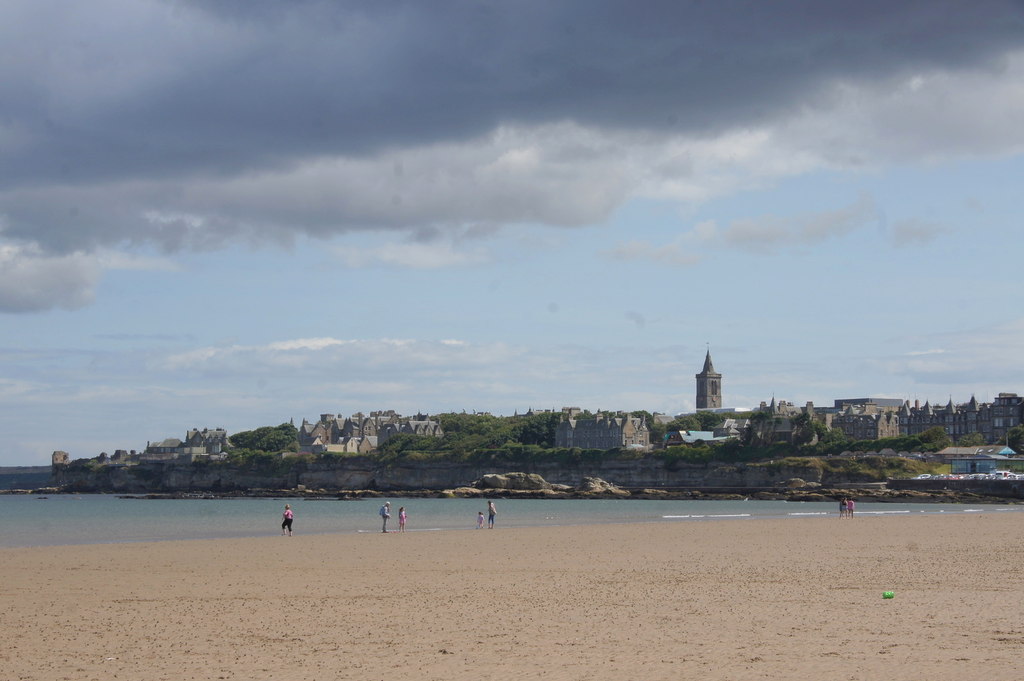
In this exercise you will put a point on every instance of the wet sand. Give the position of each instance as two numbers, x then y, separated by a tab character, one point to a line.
733	599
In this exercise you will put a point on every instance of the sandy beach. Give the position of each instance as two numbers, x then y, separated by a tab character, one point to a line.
734	599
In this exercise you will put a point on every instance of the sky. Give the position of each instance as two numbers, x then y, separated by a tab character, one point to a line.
230	214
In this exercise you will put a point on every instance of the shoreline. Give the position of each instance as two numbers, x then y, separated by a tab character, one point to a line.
874	493
103	519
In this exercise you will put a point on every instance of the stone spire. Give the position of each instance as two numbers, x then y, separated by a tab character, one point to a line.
709	368
709	386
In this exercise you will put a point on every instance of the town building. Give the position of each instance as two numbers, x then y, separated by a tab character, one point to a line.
359	433
870	404
987	459
208	442
991	419
866	423
604	431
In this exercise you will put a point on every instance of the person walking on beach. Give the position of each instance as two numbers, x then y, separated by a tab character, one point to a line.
849	508
385	514
480	520
286	523
401	518
491	512
842	507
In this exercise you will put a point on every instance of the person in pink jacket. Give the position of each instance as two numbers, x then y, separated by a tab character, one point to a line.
286	523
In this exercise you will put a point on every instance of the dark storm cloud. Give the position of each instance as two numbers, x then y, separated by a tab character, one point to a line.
224	86
148	99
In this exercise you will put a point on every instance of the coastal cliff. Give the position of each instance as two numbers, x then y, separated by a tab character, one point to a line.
371	473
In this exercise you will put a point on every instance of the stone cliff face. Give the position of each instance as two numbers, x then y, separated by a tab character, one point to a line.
369	473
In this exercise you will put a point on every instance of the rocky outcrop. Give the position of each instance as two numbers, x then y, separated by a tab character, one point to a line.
599	487
516	481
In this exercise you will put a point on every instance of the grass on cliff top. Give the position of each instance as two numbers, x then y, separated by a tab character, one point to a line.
859	469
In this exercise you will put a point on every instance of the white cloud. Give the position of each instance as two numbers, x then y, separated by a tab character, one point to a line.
119	260
413	255
675	253
965	361
762	235
306	344
919	353
342	357
31	280
769	234
916	232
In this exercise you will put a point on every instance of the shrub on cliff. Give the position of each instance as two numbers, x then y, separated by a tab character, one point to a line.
874	468
282	438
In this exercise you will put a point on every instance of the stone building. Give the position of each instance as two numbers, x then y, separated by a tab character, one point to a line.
991	419
417	425
604	432
872	418
860	424
208	442
359	433
709	386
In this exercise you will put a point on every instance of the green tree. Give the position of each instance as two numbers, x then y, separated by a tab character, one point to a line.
466	433
708	420
284	437
402	443
804	432
761	432
935	438
1015	439
538	429
702	420
971	440
685	422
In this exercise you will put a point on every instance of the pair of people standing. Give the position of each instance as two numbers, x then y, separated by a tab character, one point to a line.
846	507
491	512
385	514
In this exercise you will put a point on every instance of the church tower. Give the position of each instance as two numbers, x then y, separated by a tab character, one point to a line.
709	386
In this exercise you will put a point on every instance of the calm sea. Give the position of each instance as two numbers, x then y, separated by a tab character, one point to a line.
98	518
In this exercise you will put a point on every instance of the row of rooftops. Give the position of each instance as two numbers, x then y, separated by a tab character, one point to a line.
885	404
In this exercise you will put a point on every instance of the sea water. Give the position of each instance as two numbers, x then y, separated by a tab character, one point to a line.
59	519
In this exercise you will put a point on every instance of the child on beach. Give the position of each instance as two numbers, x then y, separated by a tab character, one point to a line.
286	524
480	520
401	518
